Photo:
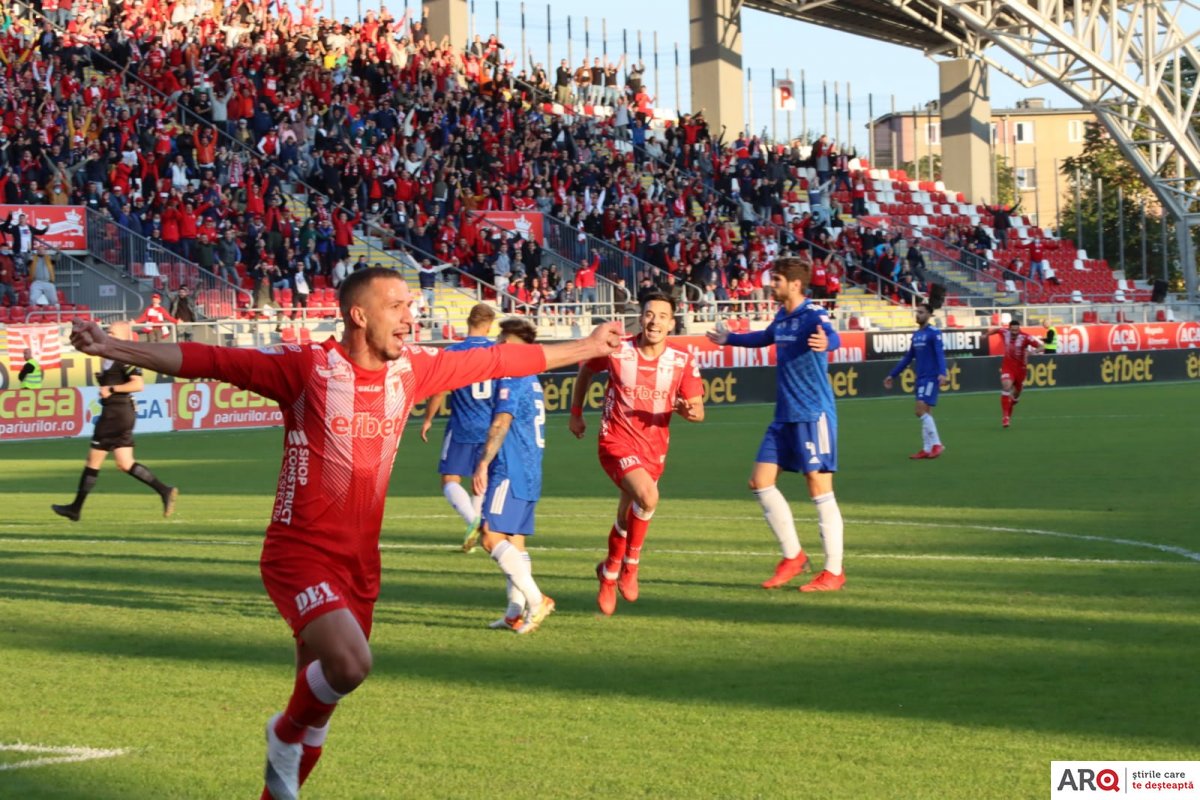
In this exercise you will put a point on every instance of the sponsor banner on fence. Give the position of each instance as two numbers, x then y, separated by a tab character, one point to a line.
1120	337
72	411
64	224
711	356
210	406
527	224
41	413
956	342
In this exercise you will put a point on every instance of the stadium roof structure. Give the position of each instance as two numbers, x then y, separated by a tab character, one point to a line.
913	24
1121	59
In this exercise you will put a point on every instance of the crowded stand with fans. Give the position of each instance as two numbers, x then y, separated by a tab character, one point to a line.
257	151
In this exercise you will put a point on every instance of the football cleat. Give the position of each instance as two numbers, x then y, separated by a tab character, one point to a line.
505	623
70	512
627	582
785	570
825	582
606	598
920	454
936	451
535	617
169	497
1005	420
472	537
282	773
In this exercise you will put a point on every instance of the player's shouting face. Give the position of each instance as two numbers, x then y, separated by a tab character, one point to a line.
658	321
381	309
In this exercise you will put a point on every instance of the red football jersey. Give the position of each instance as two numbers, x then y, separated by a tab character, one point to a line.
342	425
1016	348
641	396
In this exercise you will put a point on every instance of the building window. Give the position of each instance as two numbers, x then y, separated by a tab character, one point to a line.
933	133
1026	178
995	134
1024	132
1075	131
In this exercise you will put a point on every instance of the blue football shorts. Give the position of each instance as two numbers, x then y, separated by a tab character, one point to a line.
800	446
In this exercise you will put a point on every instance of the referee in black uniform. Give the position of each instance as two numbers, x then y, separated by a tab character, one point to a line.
114	432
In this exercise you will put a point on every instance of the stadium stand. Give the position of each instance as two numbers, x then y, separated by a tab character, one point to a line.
281	151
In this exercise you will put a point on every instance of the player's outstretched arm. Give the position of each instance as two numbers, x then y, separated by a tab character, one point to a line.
604	339
90	338
722	336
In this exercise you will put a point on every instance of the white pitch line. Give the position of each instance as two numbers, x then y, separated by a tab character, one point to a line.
452	548
1190	555
56	755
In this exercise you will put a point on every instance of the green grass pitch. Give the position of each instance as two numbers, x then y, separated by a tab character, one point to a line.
1032	595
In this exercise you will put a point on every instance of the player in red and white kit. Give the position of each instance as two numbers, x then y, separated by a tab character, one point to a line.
344	406
1014	366
648	381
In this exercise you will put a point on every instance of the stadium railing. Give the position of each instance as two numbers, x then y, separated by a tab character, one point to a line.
144	259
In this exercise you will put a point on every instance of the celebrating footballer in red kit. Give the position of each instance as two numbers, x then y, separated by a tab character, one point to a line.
648	381
1014	366
344	405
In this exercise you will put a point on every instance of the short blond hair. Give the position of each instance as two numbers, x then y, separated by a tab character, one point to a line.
481	314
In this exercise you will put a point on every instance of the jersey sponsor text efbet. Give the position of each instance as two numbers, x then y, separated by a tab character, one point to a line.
342	426
641	396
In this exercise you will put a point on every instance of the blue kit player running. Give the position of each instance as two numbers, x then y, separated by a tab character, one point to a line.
926	350
803	435
509	478
470	416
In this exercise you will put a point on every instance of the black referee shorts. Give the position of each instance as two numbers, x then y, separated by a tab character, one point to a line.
114	427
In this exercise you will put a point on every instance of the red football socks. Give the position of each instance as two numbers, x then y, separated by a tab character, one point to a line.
616	551
305	708
639	525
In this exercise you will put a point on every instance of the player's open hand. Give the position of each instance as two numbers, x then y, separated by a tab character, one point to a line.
818	342
425	426
479	483
88	337
943	382
888	382
577	426
719	334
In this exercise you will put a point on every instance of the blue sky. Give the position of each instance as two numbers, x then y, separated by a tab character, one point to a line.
871	68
